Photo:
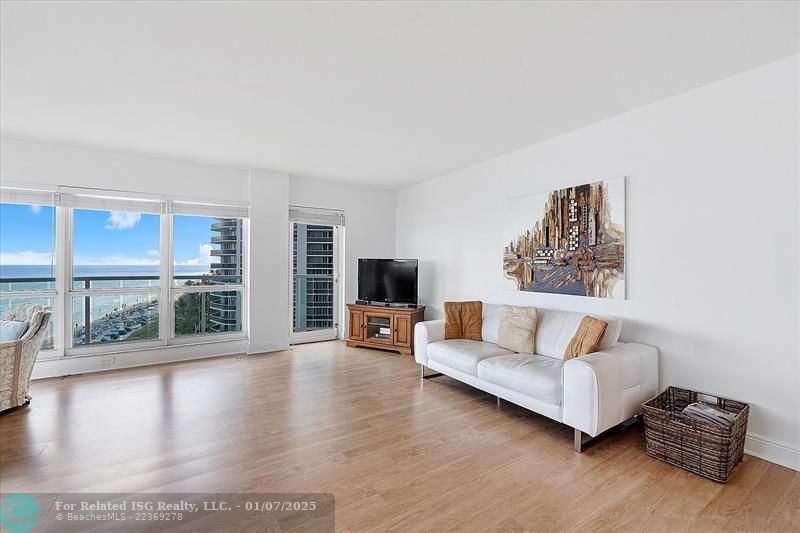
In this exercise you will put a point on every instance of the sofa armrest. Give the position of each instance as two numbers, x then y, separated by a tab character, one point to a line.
605	388
425	333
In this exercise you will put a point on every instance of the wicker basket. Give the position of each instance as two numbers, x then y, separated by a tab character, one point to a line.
699	447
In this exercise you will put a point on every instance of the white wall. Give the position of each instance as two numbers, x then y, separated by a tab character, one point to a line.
369	223
269	261
76	166
712	227
370	228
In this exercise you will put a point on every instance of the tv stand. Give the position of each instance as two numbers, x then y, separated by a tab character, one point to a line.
383	327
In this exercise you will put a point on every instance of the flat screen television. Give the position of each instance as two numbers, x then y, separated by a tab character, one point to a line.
388	281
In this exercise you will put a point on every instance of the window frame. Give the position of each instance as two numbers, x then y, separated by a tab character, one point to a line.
317	217
70	292
65	200
17	194
177	290
167	292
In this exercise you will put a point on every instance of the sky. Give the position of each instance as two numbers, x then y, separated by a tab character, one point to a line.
100	237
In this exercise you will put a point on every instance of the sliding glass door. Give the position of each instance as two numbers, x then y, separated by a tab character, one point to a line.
314	282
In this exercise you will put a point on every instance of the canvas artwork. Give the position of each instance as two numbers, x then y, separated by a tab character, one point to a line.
569	241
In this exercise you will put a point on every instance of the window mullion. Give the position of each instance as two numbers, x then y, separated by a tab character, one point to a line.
64	276
165	332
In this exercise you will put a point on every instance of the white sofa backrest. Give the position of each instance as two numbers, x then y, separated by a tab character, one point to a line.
554	328
492	315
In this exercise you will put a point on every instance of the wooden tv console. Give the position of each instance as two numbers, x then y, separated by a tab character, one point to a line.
385	328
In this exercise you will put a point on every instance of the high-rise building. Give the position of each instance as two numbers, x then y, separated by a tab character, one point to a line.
225	307
312	269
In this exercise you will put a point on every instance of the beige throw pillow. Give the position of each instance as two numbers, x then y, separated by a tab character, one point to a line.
518	329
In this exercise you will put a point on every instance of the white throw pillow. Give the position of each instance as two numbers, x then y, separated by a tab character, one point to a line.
12	330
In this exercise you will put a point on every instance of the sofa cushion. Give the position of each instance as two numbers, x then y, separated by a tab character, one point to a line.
492	315
536	376
464	354
555	329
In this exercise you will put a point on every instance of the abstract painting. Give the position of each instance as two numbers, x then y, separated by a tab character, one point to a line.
569	241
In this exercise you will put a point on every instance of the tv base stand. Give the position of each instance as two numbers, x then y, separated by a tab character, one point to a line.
385	328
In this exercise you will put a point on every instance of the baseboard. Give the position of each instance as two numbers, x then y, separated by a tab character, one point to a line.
265	347
774	452
67	366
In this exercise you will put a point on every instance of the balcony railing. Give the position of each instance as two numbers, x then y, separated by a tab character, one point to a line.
225	225
119	325
219	239
309	289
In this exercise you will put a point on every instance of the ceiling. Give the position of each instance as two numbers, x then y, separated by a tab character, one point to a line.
387	93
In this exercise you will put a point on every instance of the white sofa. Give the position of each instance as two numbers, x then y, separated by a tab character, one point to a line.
591	393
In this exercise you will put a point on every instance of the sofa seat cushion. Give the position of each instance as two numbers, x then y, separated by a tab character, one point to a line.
536	376
464	354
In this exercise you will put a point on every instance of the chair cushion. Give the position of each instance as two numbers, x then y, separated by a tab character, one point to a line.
464	354
12	330
536	376
555	329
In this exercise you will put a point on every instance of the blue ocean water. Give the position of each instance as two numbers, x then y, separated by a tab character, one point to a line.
46	271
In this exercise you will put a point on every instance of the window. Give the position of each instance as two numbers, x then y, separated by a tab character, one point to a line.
131	271
27	255
115	276
208	274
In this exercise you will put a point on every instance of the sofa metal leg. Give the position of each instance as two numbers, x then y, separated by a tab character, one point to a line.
578	441
423	375
498	401
581	440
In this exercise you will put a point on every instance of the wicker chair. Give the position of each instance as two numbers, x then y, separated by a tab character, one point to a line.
17	357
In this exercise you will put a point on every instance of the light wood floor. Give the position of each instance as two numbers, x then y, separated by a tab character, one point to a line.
397	453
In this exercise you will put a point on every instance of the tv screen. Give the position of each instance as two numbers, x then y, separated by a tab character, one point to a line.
391	281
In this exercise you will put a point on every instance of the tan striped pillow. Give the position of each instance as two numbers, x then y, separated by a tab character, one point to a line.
587	338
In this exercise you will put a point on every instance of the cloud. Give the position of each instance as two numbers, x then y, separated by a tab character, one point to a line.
152	253
205	256
26	257
122	220
35	209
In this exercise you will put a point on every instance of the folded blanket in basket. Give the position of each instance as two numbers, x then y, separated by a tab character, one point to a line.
702	412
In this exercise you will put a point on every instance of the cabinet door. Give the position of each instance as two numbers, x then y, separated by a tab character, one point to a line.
378	328
402	330
356	325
